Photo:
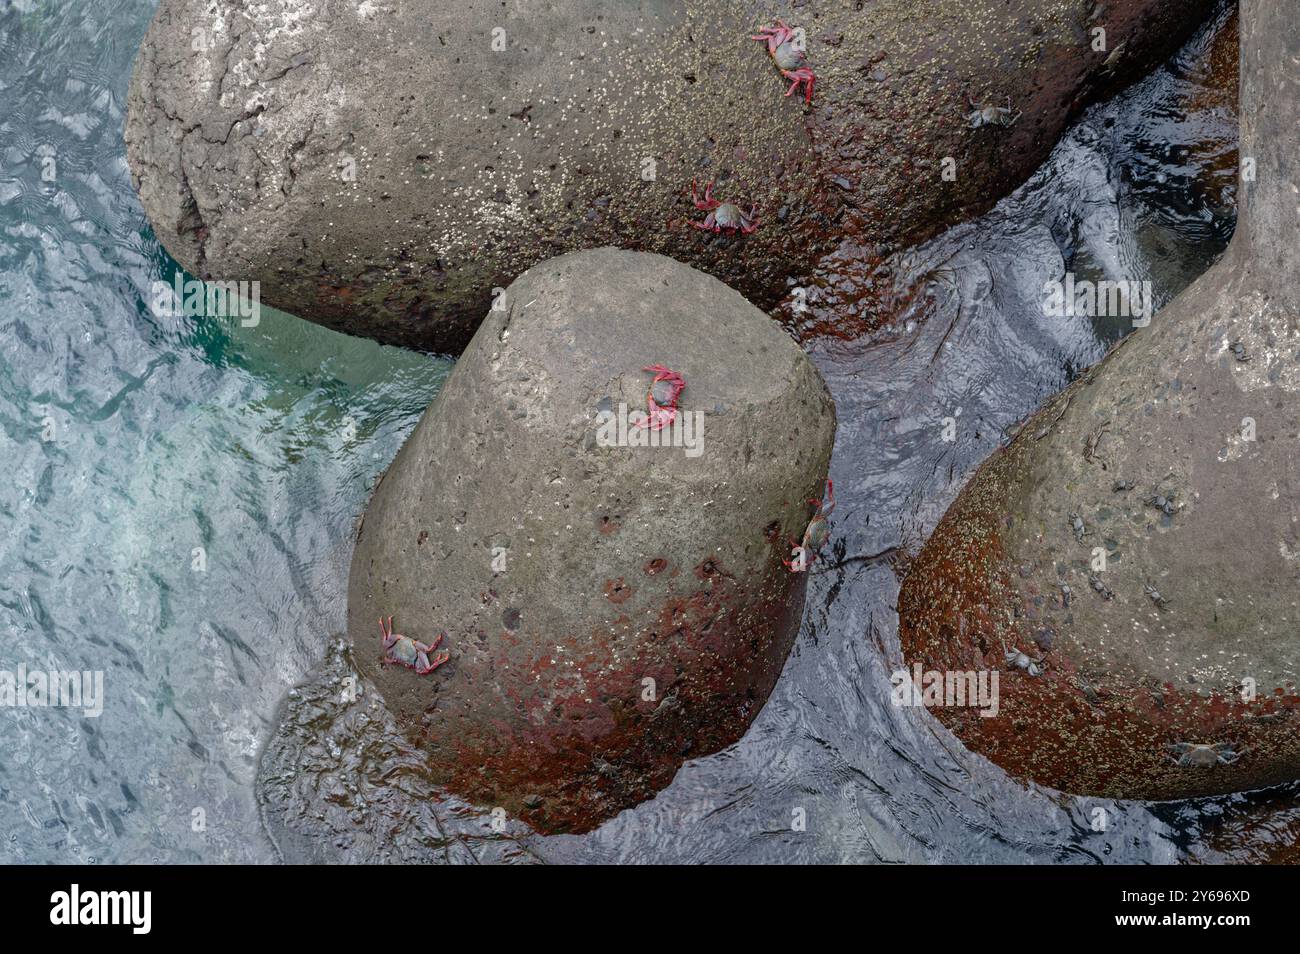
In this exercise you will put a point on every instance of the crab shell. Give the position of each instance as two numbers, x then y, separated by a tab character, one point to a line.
989	116
1015	657
788	56
1202	755
729	216
664	392
816	535
403	651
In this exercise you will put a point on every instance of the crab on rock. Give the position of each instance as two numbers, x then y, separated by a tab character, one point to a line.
411	653
815	534
1202	754
723	216
990	115
788	55
661	398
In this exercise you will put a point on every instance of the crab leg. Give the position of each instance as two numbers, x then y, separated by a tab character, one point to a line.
422	665
774	36
803	75
708	201
421	647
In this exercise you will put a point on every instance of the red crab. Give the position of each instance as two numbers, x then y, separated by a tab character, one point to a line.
661	399
411	653
816	533
723	216
789	58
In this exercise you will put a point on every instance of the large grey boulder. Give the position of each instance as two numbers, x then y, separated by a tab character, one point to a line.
609	610
381	167
1161	488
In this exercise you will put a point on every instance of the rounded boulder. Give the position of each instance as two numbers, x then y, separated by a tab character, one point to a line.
1129	561
614	598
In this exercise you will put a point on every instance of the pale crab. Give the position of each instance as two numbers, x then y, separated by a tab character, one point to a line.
404	651
785	46
990	115
815	534
1155	596
1164	504
1019	660
1202	754
723	216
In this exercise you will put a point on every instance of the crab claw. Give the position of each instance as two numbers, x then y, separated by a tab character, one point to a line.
705	203
774	35
659	418
801	561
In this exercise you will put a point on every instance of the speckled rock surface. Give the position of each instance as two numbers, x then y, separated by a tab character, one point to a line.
1177	454
468	165
567	573
379	168
892	136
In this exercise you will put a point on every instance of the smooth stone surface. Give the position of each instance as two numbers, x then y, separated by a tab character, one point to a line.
566	573
1171	410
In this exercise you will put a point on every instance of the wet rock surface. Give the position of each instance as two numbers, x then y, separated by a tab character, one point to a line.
894	136
905	89
609	610
1144	521
338	782
382	168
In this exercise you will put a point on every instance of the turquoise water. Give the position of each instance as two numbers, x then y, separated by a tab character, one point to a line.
256	445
